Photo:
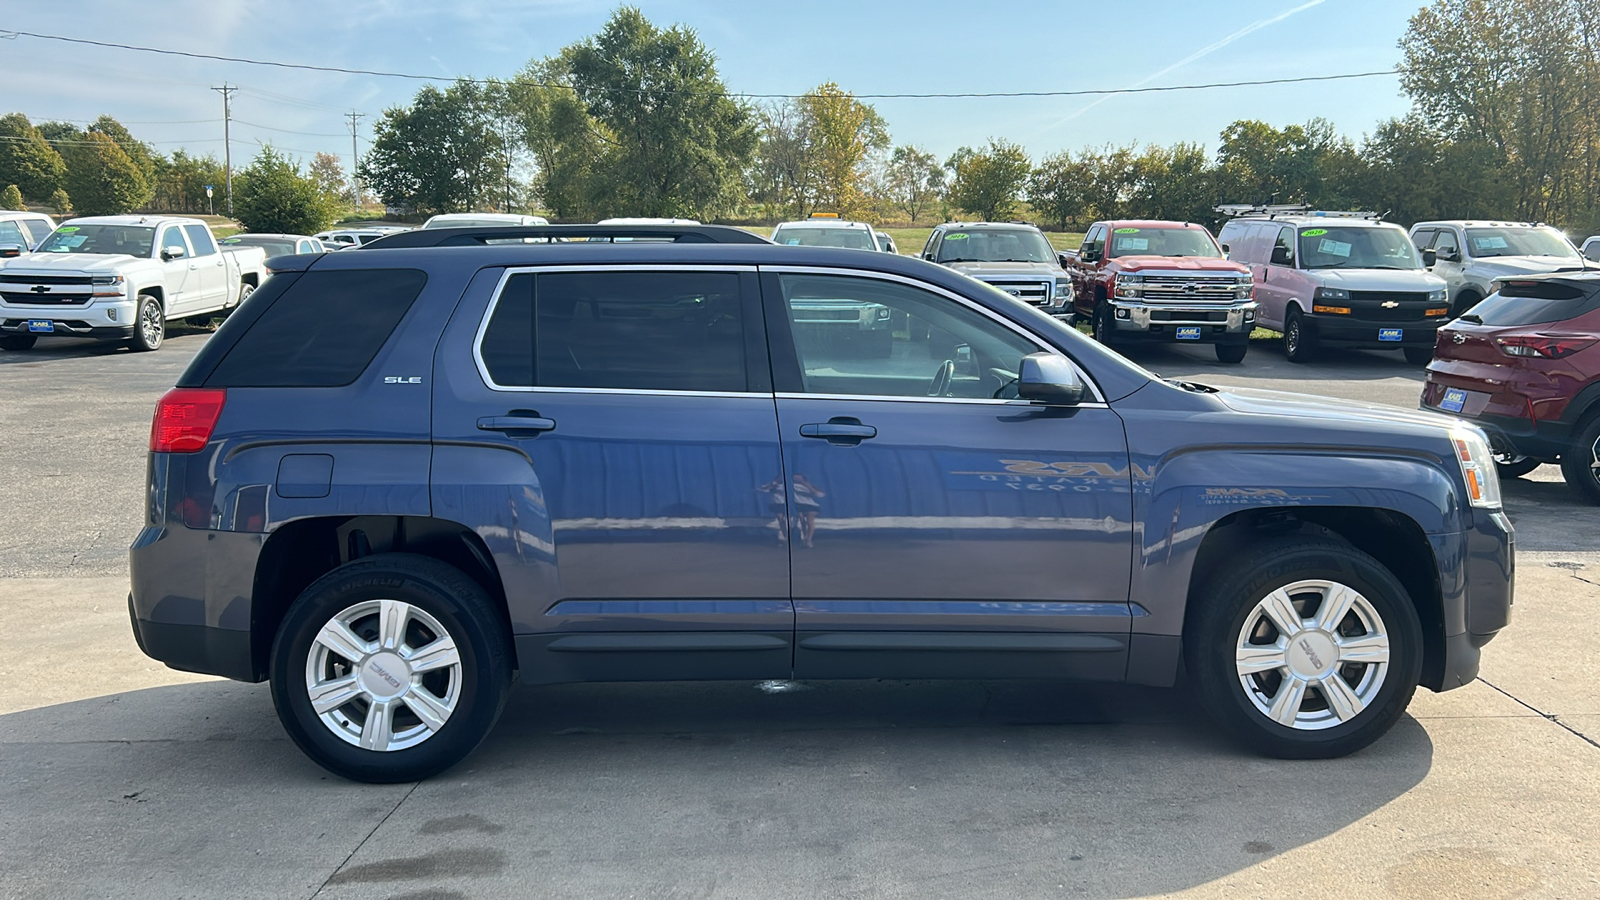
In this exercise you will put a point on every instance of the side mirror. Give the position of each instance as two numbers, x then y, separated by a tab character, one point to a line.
928	257
1064	258
1090	256
1281	257
965	364
10	251
1047	378
1226	249
172	253
1448	255
1429	257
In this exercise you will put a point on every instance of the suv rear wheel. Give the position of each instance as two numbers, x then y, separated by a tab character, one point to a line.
1305	648
1580	465
390	668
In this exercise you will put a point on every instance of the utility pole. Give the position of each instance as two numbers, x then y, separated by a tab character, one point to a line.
355	185
227	140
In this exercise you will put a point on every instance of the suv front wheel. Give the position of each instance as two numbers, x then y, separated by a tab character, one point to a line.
391	668
1304	648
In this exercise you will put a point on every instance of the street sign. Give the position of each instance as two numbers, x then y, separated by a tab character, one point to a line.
208	190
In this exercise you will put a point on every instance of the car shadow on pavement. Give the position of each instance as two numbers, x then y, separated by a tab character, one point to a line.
76	348
782	789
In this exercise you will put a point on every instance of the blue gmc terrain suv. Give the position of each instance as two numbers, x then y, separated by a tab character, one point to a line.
400	478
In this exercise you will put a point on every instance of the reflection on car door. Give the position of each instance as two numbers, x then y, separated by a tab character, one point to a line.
181	276
618	430
956	533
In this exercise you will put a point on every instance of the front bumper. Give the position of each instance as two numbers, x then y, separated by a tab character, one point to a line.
1477	574
1219	323
100	320
1342	330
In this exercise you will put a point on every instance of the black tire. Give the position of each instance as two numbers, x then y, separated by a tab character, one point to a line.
457	604
1231	353
1463	302
18	341
1418	356
880	344
1578	464
149	325
1102	324
1298	344
1516	467
1214	634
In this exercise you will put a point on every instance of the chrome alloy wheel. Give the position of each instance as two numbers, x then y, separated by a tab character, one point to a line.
151	325
1312	655
383	675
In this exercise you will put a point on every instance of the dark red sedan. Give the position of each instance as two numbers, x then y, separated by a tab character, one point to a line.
1524	364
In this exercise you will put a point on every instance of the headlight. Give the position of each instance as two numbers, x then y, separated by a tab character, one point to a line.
1477	466
1129	285
107	285
1436	296
1327	293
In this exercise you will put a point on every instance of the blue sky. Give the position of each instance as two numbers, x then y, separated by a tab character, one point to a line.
887	46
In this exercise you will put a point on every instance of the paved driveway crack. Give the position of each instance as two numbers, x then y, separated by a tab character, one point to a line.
363	842
1551	716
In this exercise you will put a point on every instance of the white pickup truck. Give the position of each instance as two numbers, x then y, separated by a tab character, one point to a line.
122	278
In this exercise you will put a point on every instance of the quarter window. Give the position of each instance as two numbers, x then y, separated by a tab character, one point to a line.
672	331
865	336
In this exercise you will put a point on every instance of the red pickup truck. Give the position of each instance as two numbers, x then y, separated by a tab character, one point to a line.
1161	281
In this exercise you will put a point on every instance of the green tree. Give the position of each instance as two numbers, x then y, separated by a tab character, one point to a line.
438	155
841	134
914	180
681	145
27	159
988	182
137	150
60	202
11	198
102	180
1058	189
782	175
272	196
180	182
1177	183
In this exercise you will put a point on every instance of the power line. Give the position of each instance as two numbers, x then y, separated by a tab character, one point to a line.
747	96
288	130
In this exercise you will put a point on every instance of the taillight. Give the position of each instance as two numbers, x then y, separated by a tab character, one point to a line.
1544	346
184	419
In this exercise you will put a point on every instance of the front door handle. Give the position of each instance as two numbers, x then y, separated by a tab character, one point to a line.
840	431
518	423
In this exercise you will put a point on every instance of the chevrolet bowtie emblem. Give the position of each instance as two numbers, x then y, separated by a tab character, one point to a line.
1390	304
40	289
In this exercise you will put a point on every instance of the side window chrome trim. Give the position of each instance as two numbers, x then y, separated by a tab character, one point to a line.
965	401
511	271
1032	338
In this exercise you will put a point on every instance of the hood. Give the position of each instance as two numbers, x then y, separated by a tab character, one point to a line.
980	269
1309	406
1377	279
1182	264
67	263
1523	265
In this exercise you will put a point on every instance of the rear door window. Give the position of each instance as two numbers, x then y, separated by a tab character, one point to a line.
658	331
1536	303
39	228
323	331
200	237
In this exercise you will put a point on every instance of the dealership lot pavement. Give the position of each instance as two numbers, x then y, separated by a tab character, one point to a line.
120	777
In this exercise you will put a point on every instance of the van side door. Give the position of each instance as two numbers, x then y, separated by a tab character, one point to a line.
610	433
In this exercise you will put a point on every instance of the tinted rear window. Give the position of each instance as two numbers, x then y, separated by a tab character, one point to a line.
1536	303
674	331
323	331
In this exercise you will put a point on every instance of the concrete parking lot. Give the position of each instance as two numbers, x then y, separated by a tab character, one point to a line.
119	777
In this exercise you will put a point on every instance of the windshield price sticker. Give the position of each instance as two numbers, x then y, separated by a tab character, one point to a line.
1133	244
1490	243
1333	247
957	236
67	229
1313	232
1126	231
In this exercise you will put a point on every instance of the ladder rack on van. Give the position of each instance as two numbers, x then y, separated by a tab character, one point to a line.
1252	211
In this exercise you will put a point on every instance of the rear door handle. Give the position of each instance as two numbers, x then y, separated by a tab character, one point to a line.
839	430
517	425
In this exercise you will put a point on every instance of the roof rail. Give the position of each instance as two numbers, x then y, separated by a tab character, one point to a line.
1260	210
478	236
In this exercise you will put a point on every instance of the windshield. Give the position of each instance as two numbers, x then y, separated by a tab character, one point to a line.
996	245
1162	242
1484	242
134	240
1359	247
849	238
